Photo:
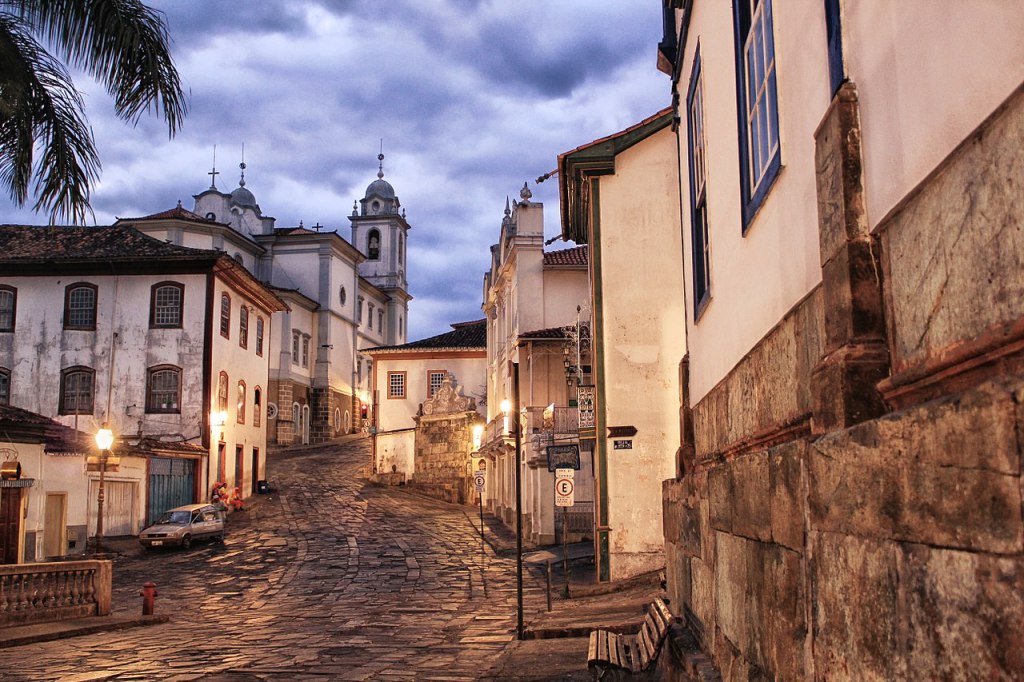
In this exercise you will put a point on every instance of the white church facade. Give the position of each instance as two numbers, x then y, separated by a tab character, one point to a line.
343	296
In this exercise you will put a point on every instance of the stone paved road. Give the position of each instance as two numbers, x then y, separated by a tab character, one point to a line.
328	578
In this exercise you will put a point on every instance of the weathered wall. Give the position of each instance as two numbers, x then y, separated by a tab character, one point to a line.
812	538
443	444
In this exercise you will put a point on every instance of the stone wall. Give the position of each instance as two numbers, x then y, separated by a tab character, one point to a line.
443	444
851	507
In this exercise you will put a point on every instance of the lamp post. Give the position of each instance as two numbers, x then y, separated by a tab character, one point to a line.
518	432
104	439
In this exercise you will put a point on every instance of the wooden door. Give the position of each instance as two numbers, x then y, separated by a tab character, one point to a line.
118	508
10	524
255	471
55	531
239	468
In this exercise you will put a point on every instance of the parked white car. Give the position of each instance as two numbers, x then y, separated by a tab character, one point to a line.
180	526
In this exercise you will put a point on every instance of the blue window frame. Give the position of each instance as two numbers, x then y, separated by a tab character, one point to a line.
757	97
696	153
834	34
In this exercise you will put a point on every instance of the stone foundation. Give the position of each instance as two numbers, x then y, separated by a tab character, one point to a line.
853	509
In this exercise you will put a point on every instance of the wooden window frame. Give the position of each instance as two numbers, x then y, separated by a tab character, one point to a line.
755	184
225	315
259	335
222	392
62	398
243	327
68	291
5	386
431	391
151	407
241	395
13	291
696	149
153	295
392	395
257	406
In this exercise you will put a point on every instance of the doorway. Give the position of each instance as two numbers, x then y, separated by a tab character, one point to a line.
239	467
255	471
55	525
10	525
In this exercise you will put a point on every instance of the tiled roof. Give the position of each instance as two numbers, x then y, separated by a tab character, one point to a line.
576	255
16	414
31	244
464	335
175	213
17	422
549	333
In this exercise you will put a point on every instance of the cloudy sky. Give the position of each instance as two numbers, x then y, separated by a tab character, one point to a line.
470	97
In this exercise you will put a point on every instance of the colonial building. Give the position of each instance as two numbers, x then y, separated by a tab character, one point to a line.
639	329
848	501
406	375
342	297
530	299
165	344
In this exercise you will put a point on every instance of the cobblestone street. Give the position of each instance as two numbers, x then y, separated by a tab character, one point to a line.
327	577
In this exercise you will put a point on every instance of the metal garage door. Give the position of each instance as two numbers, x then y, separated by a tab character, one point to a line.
171	484
118	508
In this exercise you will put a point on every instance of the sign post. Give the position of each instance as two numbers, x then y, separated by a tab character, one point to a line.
564	498
478	483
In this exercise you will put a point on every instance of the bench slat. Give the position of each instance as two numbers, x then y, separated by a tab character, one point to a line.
646	647
627	652
662	609
592	646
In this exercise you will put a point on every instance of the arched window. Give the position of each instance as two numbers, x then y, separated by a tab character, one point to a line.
165	301
222	392
80	306
240	407
8	308
243	327
225	316
373	245
401	245
163	389
76	390
259	336
257	406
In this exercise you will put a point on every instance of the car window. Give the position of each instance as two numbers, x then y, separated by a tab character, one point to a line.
209	516
178	518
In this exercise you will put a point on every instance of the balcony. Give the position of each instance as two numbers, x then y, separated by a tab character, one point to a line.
557	424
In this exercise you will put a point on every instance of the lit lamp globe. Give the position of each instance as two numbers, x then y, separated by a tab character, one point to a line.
104	438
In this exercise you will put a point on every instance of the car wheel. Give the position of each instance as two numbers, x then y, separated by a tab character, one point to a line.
186	541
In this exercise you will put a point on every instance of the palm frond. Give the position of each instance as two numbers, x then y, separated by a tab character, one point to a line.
121	43
39	105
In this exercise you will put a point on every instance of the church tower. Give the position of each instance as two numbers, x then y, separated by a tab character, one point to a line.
380	232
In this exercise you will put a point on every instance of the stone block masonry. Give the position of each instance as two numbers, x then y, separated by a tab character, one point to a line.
852	507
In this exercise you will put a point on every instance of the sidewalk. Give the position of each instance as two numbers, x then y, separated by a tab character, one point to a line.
556	642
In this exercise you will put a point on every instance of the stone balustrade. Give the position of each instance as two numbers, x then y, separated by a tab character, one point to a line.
44	592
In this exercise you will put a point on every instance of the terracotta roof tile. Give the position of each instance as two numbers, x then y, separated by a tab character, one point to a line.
463	335
176	213
576	255
31	244
549	333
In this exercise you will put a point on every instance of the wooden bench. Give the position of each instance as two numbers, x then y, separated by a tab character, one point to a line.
630	653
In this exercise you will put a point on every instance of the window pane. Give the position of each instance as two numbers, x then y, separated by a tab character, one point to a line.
167	307
82	307
243	327
6	310
5	388
163	390
77	392
225	315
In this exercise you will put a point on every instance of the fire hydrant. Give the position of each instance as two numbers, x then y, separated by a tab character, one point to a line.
149	594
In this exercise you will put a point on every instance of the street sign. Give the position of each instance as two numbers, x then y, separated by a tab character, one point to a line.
481	464
478	482
563	457
621	431
564	487
622	445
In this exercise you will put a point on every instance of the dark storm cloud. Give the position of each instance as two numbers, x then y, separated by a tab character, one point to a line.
471	98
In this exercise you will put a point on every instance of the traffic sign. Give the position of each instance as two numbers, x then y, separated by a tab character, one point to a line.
564	487
478	482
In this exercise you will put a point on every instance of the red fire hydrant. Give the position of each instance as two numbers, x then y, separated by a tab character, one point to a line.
148	598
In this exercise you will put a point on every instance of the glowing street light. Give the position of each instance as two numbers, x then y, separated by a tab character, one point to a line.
104	441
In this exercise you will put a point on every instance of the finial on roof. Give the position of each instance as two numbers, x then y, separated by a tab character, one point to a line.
300	224
508	211
355	211
214	173
380	166
525	194
403	213
179	203
318	226
241	182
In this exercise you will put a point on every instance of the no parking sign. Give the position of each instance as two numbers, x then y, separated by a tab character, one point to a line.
564	487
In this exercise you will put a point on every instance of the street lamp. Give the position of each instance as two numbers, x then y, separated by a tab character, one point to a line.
104	439
506	407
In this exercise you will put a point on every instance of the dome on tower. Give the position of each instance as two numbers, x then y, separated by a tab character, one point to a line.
243	197
381	188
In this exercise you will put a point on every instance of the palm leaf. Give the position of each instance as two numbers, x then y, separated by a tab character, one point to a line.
39	103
